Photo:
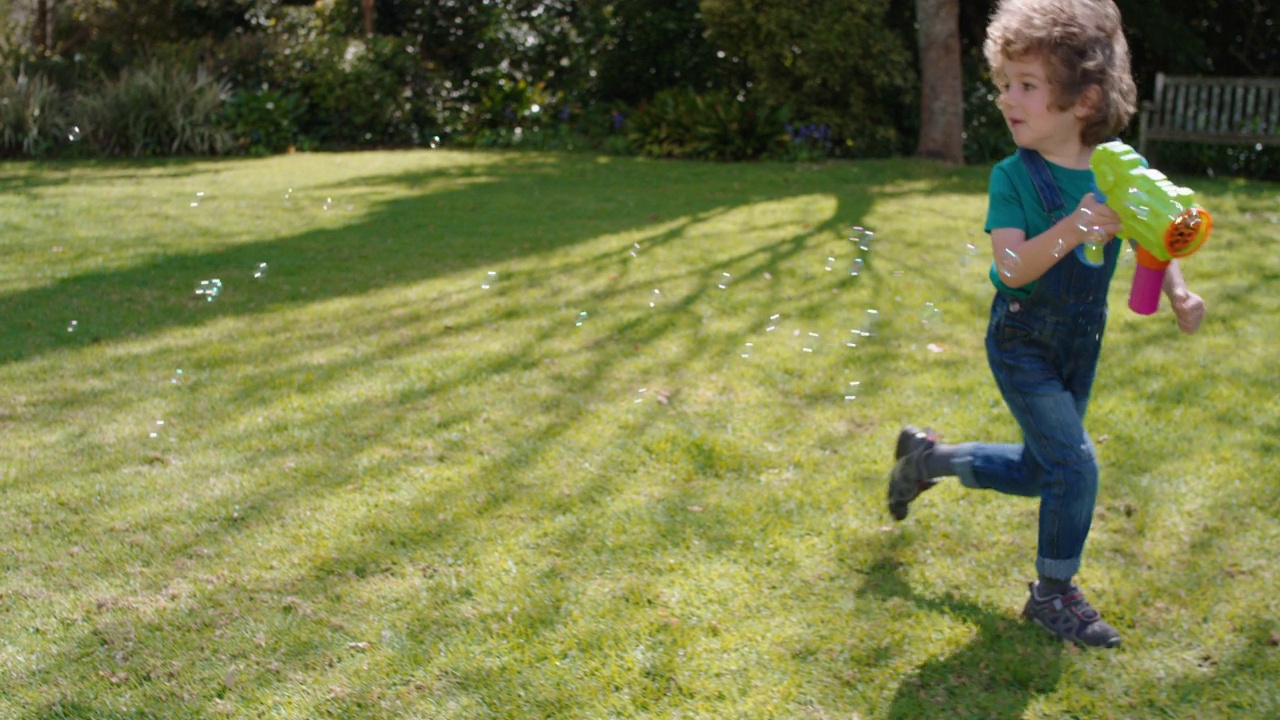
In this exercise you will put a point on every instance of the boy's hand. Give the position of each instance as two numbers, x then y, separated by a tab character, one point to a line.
1096	222
1188	307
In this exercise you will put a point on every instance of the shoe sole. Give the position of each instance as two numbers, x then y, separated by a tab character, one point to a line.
899	509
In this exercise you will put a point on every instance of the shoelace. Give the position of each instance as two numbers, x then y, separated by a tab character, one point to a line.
1074	601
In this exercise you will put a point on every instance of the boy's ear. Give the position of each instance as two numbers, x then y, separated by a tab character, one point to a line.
1088	101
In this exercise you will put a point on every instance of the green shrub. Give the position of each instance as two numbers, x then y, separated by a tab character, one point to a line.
264	121
842	64
369	92
506	108
32	115
680	123
986	136
156	109
1254	161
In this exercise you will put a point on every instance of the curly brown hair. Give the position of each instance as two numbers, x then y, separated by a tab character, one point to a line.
1082	44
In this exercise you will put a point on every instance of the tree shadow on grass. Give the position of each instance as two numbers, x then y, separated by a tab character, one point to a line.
436	232
997	674
449	519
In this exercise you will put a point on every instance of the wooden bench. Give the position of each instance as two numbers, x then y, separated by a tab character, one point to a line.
1240	111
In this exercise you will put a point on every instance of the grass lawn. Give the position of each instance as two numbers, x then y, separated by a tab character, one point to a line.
474	435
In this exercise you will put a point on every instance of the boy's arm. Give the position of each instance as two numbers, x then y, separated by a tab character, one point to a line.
1188	307
1020	260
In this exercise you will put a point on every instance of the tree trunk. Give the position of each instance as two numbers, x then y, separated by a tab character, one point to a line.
40	29
941	81
366	10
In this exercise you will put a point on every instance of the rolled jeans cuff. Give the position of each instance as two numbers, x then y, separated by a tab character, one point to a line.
962	464
1057	569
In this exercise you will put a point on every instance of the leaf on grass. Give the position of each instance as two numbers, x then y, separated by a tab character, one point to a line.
229	680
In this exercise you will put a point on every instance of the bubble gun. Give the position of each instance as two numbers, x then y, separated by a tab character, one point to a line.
1162	218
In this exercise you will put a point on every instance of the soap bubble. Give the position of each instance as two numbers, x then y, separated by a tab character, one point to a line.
869	324
655	298
862	237
640	394
725	279
209	289
852	388
156	429
435	142
809	341
746	349
856	267
490	279
73	134
177	377
1008	263
196	202
773	322
582	319
1139	203
260	271
71	327
930	315
634	250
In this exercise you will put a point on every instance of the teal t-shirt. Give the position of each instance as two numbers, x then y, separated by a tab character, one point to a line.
1012	202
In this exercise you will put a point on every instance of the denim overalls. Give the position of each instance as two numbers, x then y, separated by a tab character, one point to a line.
1043	351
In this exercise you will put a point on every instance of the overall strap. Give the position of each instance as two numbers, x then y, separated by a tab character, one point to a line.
1046	188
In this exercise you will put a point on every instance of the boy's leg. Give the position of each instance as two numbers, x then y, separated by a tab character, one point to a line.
1057	444
1053	426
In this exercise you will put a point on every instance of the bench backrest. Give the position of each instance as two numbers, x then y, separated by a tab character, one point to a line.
1215	109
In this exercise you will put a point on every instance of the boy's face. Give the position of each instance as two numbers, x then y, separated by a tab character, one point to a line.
1027	103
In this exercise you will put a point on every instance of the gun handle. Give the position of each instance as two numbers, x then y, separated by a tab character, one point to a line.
1148	280
1091	254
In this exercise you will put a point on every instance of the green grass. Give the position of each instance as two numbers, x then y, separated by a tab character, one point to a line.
382	490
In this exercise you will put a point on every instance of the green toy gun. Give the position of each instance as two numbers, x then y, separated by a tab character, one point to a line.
1162	218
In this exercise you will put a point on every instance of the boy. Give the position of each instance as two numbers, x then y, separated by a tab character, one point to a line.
1062	68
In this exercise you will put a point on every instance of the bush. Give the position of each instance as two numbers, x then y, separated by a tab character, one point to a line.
986	136
264	121
335	92
156	109
32	115
680	123
1254	161
839	64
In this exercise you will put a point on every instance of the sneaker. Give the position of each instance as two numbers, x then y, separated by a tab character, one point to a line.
1069	616
908	478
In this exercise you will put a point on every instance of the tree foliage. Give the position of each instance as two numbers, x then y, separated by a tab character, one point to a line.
832	63
493	71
